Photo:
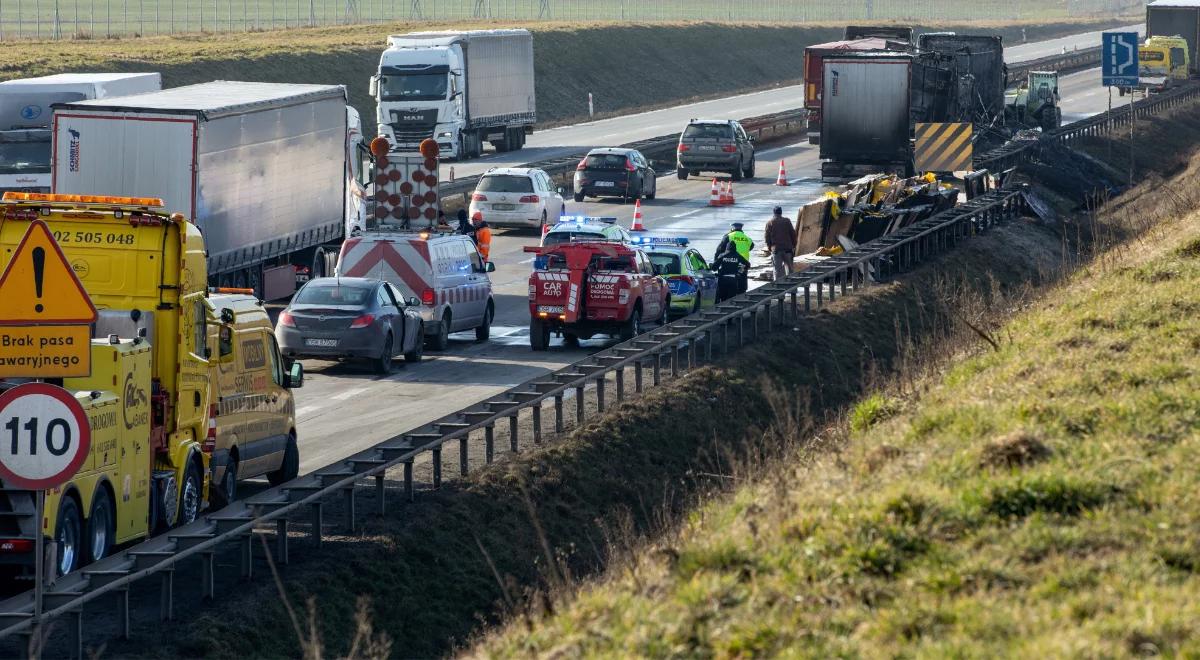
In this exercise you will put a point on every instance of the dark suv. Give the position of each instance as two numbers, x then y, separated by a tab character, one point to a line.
612	172
710	145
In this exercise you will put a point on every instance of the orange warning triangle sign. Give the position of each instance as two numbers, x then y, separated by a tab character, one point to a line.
39	287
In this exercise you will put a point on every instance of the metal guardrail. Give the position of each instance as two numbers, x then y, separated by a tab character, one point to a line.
679	343
1068	61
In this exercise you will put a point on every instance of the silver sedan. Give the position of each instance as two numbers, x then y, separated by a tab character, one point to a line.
351	317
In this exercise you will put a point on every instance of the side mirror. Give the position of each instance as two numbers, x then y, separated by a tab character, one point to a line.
413	301
489	267
295	376
227	315
560	190
225	344
374	88
750	138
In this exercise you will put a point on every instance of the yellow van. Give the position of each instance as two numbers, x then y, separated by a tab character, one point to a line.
253	432
1162	62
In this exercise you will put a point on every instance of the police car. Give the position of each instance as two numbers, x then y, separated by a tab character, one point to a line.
693	284
585	228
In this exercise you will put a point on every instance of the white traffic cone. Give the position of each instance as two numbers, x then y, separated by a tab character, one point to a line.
714	197
782	180
637	217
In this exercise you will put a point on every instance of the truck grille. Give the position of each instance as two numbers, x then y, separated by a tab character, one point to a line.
408	135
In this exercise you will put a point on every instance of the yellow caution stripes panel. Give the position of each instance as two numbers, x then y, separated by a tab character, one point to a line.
943	147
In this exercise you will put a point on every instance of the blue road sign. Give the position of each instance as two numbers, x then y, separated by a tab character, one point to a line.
1119	59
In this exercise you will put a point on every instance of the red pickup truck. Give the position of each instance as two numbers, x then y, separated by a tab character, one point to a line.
588	288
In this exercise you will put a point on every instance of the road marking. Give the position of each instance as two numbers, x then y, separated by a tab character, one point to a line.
304	410
342	396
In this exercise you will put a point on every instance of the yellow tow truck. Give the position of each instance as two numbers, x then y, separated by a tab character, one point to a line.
158	339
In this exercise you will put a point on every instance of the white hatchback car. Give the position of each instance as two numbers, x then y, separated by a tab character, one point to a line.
517	197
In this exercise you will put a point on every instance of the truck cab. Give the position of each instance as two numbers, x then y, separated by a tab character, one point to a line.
585	288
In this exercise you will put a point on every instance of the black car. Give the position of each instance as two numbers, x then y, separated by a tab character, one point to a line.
614	172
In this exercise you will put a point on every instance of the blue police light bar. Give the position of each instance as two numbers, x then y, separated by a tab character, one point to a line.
581	219
680	241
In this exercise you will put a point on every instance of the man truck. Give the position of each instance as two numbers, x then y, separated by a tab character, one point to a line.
460	88
25	113
154	392
271	173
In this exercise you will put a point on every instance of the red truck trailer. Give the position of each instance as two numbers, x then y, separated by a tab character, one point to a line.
814	57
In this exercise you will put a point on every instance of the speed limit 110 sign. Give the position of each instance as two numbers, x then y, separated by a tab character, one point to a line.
44	436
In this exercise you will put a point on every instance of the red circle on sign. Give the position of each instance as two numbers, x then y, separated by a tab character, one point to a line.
394	175
381	161
431	181
381	179
85	435
381	212
430	213
430	197
430	164
394	199
417	175
406	188
414	213
398	213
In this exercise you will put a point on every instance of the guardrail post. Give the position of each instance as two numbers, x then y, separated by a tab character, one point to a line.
381	494
436	453
75	622
754	311
833	284
513	438
741	329
691	349
537	423
281	541
246	555
351	523
408	483
657	374
620	384
708	342
558	413
489	443
318	523
580	413
674	360
820	294
166	602
123	629
637	376
807	298
601	383
845	276
463	460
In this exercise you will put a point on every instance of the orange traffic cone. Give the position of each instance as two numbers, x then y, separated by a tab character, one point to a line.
782	180
545	229
714	197
729	194
637	217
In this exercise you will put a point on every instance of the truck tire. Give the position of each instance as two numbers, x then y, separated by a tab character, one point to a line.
485	329
441	340
633	326
539	335
290	467
69	535
191	496
101	526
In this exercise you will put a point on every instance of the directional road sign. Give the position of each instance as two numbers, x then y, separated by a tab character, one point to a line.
45	315
44	436
1119	59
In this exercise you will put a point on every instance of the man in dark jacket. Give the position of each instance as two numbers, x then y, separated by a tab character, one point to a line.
464	224
781	241
732	273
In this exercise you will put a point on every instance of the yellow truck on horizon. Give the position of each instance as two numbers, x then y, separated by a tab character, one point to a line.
156	388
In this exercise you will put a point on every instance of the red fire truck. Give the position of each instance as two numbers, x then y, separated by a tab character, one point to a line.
587	288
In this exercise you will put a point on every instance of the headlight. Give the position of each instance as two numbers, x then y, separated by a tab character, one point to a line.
445	134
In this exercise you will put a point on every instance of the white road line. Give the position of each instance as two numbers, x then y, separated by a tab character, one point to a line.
304	410
342	396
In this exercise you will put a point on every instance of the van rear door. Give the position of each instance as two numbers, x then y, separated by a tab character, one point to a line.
402	261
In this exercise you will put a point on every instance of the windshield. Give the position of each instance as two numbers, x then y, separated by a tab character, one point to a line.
668	263
413	87
332	295
18	157
505	183
605	162
556	237
709	131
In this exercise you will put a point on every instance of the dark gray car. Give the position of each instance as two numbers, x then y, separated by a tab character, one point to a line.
615	172
709	145
351	317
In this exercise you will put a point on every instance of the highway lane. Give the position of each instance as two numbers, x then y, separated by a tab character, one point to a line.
343	408
568	140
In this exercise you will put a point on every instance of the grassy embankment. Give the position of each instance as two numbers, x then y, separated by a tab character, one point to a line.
1035	497
626	67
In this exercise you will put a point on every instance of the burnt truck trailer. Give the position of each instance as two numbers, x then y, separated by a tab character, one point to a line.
1170	18
978	64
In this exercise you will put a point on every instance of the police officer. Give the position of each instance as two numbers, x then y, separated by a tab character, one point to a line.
738	239
732	270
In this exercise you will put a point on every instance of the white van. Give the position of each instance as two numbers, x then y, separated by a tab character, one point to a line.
443	272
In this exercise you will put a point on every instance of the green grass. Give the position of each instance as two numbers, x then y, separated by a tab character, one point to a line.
1039	500
98	18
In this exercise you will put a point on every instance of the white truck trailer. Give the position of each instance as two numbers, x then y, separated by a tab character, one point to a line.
25	119
269	172
459	88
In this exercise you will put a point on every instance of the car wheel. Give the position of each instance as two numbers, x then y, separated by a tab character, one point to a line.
682	174
68	535
101	526
632	327
666	309
653	191
539	335
220	497
418	350
737	172
383	364
696	305
578	196
290	466
485	329
750	170
441	340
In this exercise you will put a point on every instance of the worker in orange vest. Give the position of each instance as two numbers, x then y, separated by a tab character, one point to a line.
482	235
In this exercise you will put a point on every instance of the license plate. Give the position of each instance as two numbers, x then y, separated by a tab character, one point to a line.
551	309
605	184
707	147
504	207
321	343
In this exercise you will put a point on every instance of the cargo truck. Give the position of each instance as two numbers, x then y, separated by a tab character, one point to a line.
271	173
866	110
25	115
1176	18
814	57
459	88
153	395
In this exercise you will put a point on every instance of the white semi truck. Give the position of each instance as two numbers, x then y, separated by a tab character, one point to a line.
25	116
271	173
459	88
